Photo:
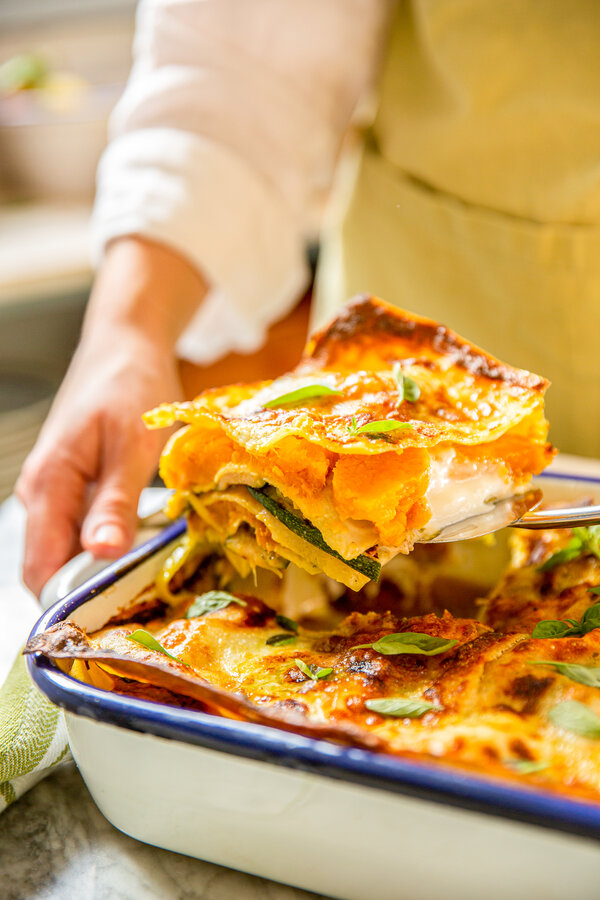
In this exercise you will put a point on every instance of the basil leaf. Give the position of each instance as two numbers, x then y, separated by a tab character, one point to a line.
589	675
309	392
381	426
576	717
408	389
409	642
591	618
399	378
376	429
527	766
573	549
363	564
595	590
210	602
315	673
550	628
584	541
404	709
140	636
590	538
278	640
286	623
303	668
323	673
412	391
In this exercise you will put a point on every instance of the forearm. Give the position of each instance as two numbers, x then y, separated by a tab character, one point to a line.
144	288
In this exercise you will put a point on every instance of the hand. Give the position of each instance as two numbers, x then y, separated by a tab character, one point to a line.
82	480
94	456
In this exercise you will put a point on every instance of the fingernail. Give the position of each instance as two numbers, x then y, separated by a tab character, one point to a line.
109	536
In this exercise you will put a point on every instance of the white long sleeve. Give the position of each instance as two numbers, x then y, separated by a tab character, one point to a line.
225	142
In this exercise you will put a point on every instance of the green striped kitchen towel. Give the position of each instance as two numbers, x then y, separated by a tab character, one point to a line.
33	736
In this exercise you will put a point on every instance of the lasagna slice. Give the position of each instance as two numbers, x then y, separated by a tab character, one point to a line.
390	428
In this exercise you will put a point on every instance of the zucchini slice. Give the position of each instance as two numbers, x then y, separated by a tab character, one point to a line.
363	564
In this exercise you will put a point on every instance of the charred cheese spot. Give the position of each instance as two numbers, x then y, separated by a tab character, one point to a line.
528	690
288	705
369	322
520	749
255	614
491	753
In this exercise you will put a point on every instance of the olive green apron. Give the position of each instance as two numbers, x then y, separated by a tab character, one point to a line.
475	197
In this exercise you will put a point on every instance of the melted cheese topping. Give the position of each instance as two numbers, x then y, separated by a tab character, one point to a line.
490	704
462	488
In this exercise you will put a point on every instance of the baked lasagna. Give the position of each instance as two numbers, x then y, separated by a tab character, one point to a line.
297	492
510	690
390	428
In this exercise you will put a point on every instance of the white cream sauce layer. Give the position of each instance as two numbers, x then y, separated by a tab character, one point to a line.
458	490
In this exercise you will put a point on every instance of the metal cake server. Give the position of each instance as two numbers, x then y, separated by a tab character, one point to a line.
518	511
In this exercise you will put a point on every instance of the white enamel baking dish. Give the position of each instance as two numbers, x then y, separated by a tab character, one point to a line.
339	821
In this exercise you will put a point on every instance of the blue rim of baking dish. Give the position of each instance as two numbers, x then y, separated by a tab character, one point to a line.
429	781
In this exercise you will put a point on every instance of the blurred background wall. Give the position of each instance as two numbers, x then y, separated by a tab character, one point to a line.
63	65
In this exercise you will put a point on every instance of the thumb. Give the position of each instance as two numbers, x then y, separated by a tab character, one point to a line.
53	492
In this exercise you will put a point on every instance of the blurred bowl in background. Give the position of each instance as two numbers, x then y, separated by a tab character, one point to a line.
51	139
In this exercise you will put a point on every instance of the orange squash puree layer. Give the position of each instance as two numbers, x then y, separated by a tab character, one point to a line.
386	489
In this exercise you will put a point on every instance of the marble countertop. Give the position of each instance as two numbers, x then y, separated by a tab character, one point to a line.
54	842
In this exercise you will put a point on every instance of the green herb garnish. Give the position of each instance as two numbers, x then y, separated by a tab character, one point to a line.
279	640
551	628
589	675
591	618
309	392
595	590
527	766
409	642
315	673
286	623
584	541
140	636
577	717
400	708
559	628
363	564
210	602
381	426
408	389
